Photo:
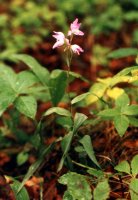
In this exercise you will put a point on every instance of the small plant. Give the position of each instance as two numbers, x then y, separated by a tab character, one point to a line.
112	103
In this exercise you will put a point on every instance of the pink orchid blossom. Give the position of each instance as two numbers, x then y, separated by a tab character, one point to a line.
74	28
76	49
61	40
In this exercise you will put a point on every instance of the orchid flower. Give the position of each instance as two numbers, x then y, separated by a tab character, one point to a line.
61	40
76	49
74	28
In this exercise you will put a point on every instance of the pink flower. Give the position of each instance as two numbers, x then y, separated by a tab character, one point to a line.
74	28
61	40
76	49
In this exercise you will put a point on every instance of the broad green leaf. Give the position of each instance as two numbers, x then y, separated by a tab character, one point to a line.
7	54
137	59
109	112
27	105
80	98
133	80
57	110
122	100
114	92
131	110
126	71
67	196
39	92
134	165
105	81
132	15
133	189
23	194
79	119
36	164
57	85
119	79
123	52
87	144
93	122
133	121
65	144
22	157
134	72
41	72
75	75
79	149
77	186
121	123
95	172
25	79
97	91
102	190
7	97
123	167
65	122
7	77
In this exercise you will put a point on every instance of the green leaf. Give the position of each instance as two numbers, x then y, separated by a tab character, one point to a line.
122	100
77	186
67	196
79	119
7	78
96	173
119	79
57	110
123	167
131	110
35	139
102	190
133	121
133	189
36	164
41	72
134	165
123	52
23	194
39	92
121	123
25	80
57	85
76	75
22	157
132	15
7	97
27	105
65	122
97	91
80	98
109	112
87	144
65	144
126	71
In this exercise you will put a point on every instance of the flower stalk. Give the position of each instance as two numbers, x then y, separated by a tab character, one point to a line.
69	48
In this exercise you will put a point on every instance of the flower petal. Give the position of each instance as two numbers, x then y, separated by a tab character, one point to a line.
58	44
59	35
76	49
74	28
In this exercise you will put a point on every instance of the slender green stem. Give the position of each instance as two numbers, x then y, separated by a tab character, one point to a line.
81	165
68	60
